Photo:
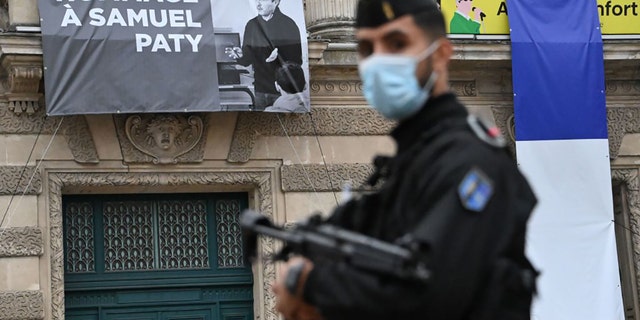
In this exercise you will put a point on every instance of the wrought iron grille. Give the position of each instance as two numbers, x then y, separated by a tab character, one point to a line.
183	235
229	235
79	238
151	234
128	236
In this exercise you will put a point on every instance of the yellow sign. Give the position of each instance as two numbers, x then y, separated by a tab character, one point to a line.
619	16
491	16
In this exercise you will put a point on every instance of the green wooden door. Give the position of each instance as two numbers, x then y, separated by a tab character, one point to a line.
156	257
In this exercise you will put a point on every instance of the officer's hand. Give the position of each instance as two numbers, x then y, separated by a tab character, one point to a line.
273	55
291	305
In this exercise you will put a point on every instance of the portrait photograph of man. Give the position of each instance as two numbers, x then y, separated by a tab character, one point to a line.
254	40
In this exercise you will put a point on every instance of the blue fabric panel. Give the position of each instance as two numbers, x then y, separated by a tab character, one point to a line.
558	70
554	21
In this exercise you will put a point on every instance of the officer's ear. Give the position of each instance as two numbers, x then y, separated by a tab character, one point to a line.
442	56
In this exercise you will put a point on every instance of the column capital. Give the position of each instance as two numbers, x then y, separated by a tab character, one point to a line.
21	72
331	20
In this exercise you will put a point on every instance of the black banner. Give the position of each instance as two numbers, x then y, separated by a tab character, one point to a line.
137	56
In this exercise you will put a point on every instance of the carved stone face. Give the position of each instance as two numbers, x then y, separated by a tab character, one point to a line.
163	131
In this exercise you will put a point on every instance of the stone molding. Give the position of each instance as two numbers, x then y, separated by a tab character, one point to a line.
349	91
25	123
322	121
623	87
162	138
631	178
21	242
10	175
319	178
259	182
620	121
464	88
331	20
505	121
75	129
341	92
316	50
80	140
21	305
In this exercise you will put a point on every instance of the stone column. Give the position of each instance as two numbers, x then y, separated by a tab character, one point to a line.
330	19
22	12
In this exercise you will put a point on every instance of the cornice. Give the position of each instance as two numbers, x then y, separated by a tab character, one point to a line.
15	43
620	121
343	54
322	121
31	44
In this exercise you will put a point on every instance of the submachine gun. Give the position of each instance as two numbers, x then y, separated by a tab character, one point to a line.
319	241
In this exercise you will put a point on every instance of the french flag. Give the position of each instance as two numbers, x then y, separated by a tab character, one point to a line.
562	148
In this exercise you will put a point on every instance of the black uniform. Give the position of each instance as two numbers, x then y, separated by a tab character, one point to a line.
260	38
464	202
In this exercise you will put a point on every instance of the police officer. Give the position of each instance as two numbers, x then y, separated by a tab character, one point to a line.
452	192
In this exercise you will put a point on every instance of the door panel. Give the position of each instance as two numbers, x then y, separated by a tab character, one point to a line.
156	257
159	313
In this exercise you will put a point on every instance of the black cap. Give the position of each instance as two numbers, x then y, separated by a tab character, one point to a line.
373	13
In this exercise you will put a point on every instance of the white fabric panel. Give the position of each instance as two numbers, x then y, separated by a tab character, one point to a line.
571	236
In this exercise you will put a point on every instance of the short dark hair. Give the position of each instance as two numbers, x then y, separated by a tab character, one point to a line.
290	77
432	23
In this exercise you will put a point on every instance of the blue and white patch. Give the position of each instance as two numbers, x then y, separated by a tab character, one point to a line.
475	190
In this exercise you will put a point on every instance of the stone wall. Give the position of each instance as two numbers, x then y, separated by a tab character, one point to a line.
290	165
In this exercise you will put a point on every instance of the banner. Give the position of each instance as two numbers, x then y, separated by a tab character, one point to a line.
118	56
562	147
491	16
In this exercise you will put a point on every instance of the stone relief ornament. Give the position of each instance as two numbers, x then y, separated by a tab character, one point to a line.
504	119
80	140
21	305
464	88
631	178
322	121
621	121
21	242
164	137
260	182
321	178
17	180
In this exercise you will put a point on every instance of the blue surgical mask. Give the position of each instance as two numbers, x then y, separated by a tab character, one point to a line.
390	84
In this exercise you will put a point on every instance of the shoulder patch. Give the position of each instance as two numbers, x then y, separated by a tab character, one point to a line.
475	190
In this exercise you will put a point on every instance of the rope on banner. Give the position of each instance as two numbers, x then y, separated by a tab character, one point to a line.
324	160
35	171
24	169
299	159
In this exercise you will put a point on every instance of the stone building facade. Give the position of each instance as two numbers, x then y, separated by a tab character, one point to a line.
287	165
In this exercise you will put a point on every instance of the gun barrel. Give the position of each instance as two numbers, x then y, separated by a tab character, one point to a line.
321	241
